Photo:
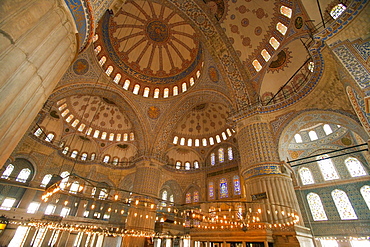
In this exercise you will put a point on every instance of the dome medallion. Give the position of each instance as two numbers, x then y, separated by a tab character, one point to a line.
151	45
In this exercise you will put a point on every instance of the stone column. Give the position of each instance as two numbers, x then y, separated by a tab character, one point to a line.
141	215
263	173
37	45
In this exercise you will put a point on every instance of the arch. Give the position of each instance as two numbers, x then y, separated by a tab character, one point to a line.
306	176
354	167
295	122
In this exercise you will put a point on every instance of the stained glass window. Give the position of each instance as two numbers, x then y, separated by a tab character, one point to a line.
23	175
365	192
213	159
188	198
196	196
327	168
166	92
45	180
344	206
316	207
126	84
211	190
354	167
236	182
175	90
223	188
8	170
337	10
230	153
306	176
184	87
156	93
221	155
327	129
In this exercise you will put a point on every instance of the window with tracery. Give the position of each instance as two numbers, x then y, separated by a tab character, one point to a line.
236	182
365	192
8	170
213	159
316	207
337	10
306	176
188	197
230	153
221	155
211	190
196	196
23	175
355	167
344	206
223	188
327	168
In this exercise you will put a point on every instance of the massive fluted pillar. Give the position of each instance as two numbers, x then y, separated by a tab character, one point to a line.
37	44
264	177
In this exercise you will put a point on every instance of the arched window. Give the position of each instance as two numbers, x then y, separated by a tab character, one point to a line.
230	153
365	192
184	87
146	92
228	132
74	154
8	170
221	155
354	167
327	129
187	165
74	124
166	92
182	141
298	138
224	135
65	113
337	10
306	176
49	137
204	142
69	118
103	135
196	142
39	131
190	142
115	161
81	127
211	141
236	183
313	136
198	74
175	90
178	164
88	131
156	93
164	195
265	55
191	81
171	198
102	60
117	78
109	70
344	206
23	175
316	207
103	194
45	180
97	49
96	133
213	159
211	193
175	140
118	137
274	43
257	66
74	187
83	156
196	196
65	176
136	89
223	188
218	139
126	84
286	11
111	136
65	150
95	38
281	28
132	136
106	158
93	155
125	137
196	164
188	198
311	66
327	168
